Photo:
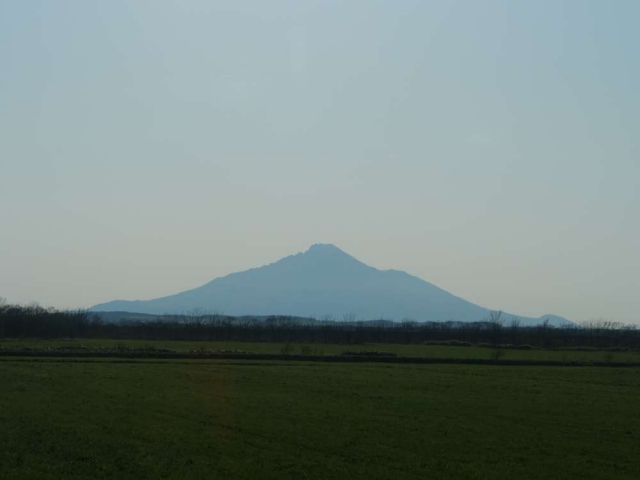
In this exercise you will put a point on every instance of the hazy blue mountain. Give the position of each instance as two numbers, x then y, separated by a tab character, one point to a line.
324	280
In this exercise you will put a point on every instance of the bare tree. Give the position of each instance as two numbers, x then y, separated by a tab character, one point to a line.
495	318
349	317
515	329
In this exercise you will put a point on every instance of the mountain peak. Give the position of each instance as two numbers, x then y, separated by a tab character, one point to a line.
324	248
329	253
319	258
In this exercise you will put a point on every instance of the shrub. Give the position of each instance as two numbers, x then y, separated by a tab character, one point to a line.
497	354
305	350
287	349
369	353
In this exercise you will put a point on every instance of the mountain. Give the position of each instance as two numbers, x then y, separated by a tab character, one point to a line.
324	280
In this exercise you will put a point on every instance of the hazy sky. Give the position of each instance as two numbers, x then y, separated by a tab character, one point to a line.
489	147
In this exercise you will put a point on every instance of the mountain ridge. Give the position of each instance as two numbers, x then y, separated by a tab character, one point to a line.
323	280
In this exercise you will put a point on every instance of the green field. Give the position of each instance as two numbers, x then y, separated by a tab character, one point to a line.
432	351
241	419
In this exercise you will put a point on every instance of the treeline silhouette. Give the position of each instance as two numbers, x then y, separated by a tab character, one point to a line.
34	321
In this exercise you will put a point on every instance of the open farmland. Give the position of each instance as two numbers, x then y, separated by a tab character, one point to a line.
89	345
97	418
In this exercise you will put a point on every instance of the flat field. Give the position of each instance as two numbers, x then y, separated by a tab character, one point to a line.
97	418
409	350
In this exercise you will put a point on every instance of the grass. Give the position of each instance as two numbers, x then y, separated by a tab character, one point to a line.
433	351
242	419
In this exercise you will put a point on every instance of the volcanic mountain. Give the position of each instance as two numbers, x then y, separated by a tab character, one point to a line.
324	280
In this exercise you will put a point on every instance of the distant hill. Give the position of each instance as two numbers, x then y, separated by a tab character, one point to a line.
324	280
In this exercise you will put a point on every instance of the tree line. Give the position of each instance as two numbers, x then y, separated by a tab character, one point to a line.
34	321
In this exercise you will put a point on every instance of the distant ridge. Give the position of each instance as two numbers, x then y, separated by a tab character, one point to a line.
324	280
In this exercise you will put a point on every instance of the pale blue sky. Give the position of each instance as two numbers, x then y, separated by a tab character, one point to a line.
489	147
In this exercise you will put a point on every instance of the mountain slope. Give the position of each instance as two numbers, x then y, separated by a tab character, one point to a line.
323	280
